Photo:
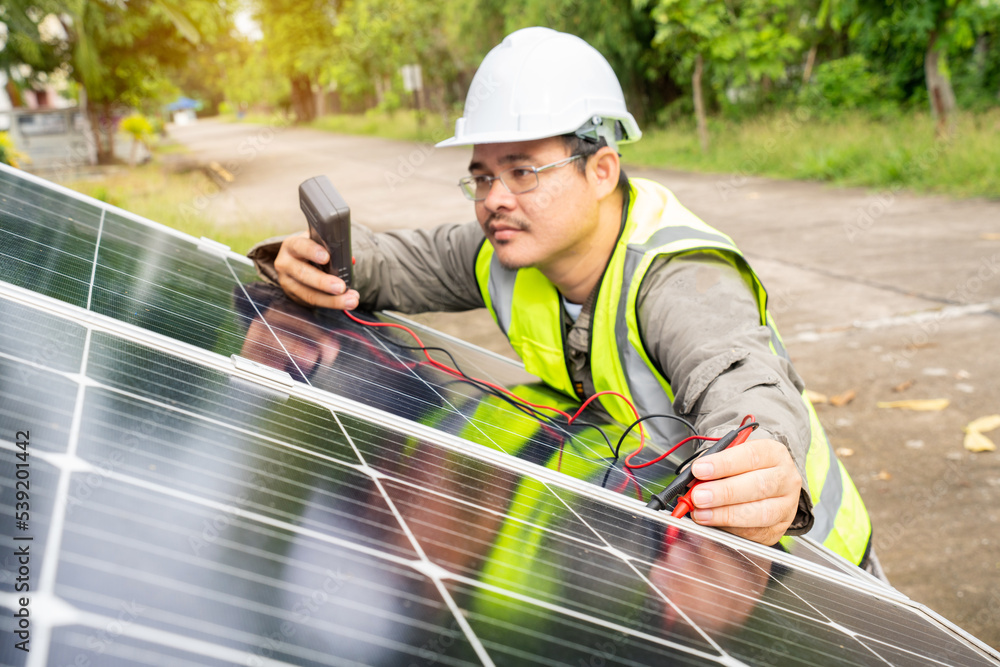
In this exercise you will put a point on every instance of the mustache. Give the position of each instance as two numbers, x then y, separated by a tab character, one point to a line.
506	221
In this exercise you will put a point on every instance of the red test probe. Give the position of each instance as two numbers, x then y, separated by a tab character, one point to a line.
685	482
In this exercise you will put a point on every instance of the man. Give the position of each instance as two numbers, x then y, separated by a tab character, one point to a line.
602	283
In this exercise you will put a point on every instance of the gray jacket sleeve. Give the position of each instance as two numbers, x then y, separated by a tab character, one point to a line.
411	271
699	322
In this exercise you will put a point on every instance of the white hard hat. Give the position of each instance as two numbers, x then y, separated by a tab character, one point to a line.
540	83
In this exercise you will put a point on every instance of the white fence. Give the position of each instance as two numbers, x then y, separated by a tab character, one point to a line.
52	139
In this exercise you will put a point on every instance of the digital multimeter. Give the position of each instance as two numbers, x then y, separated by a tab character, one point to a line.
329	219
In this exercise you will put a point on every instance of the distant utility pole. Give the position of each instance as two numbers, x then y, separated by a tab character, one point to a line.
413	82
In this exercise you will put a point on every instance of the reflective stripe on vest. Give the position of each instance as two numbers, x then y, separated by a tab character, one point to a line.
528	309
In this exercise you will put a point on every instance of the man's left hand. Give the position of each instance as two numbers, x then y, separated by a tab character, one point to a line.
754	492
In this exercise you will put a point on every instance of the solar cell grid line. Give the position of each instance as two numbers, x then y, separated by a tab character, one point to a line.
41	188
503	424
39	353
128	652
42	249
807	548
428	468
403	521
608	521
118	285
627	563
839	634
40	197
612	646
574	571
840	609
208	360
380	555
624	561
480	362
309	339
569	567
190	390
152	279
290	486
459	617
326	351
293	324
50	561
477	425
38	338
329	356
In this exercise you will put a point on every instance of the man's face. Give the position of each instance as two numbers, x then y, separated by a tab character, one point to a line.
551	223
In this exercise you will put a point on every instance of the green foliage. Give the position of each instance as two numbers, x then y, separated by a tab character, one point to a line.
297	39
849	83
25	44
742	42
895	36
122	54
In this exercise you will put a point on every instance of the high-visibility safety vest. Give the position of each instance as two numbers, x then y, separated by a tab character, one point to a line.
528	309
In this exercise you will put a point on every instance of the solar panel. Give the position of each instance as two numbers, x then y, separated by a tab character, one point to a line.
219	477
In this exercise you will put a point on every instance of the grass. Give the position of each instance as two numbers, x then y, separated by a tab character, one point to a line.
851	150
404	125
173	199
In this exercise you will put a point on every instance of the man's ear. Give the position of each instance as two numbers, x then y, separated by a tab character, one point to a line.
603	171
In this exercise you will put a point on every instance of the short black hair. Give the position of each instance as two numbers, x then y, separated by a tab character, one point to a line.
577	145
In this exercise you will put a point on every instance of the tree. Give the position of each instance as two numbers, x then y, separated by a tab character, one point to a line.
25	44
373	45
298	37
914	40
119	58
743	41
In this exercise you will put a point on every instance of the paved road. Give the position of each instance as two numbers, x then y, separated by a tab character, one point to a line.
870	289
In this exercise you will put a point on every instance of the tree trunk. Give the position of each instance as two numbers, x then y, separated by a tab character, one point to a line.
13	93
810	63
699	103
939	90
321	102
102	126
303	100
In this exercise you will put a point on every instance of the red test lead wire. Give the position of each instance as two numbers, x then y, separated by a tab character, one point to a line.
451	371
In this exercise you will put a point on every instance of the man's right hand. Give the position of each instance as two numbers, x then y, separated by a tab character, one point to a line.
306	284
